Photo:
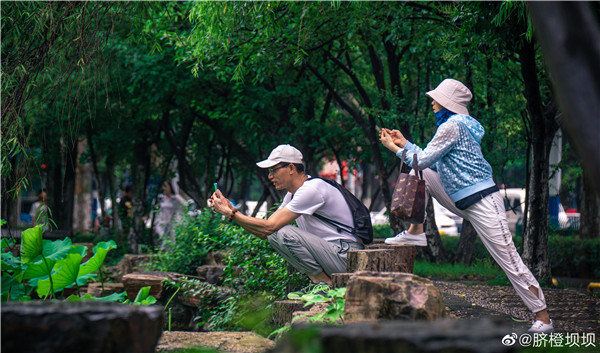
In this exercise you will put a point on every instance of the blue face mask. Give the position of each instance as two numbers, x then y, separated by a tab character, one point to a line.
442	116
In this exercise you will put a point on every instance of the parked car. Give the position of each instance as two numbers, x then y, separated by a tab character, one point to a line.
251	205
445	220
514	203
446	225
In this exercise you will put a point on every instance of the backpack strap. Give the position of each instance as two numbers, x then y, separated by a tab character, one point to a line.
337	225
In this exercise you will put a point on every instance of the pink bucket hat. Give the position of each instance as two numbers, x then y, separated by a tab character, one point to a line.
452	95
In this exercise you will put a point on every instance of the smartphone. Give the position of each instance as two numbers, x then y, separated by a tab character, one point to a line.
380	121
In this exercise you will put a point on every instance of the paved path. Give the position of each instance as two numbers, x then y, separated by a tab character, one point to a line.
572	311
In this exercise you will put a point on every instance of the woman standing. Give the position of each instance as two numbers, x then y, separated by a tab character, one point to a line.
169	210
459	177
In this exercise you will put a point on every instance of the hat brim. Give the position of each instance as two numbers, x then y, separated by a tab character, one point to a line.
267	163
447	103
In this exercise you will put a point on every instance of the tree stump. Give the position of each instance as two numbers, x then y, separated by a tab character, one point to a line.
340	280
388	258
283	311
375	296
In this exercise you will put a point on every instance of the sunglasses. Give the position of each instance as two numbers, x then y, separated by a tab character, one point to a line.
272	170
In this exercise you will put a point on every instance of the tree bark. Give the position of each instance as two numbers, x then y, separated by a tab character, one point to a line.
139	195
434	252
116	220
536	253
590	212
570	38
466	244
64	190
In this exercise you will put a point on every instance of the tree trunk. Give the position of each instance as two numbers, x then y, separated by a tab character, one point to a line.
434	252
466	244
116	220
99	183
10	204
590	212
139	195
570	37
536	253
64	192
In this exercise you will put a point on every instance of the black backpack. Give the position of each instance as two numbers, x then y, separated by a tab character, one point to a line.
360	214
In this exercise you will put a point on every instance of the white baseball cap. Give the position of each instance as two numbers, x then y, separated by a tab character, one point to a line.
282	153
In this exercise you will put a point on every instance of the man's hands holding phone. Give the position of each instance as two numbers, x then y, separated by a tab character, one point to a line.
221	204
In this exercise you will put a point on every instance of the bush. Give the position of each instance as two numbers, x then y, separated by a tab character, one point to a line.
195	237
383	231
253	268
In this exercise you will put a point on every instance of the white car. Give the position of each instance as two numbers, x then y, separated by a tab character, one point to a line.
251	205
446	225
514	202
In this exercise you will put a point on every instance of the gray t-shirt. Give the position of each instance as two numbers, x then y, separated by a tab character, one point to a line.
317	196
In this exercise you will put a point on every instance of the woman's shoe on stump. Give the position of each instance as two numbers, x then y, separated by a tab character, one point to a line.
540	327
405	238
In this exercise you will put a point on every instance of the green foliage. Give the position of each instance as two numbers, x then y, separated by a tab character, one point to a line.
142	298
47	267
195	237
253	268
383	231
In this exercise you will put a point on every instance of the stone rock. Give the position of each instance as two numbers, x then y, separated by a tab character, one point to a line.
374	296
129	264
442	336
231	342
95	289
91	327
215	258
211	274
388	259
133	282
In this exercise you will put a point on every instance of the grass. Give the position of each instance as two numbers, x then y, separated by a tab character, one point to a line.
479	271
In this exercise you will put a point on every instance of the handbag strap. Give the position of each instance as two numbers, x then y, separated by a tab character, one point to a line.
418	171
402	160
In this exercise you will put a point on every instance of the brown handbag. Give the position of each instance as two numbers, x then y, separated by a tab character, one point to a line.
408	200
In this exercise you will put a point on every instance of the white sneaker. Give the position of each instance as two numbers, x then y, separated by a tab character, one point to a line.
540	327
405	238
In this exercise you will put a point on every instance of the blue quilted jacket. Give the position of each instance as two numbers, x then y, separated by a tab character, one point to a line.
455	152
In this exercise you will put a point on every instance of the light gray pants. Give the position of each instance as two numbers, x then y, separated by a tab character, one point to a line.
309	253
488	217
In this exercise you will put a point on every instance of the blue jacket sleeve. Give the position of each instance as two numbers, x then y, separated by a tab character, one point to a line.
443	141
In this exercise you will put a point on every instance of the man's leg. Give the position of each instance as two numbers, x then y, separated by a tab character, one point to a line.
309	254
